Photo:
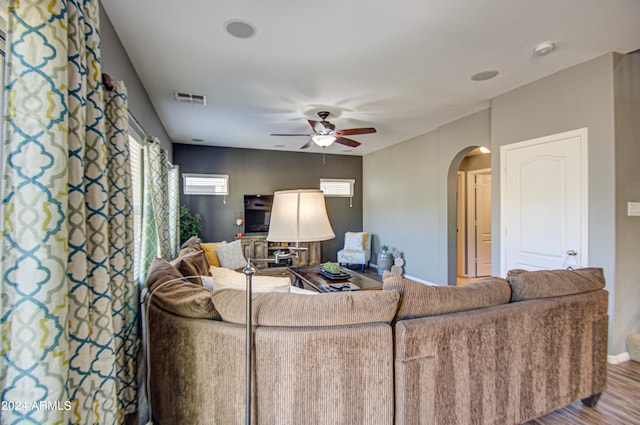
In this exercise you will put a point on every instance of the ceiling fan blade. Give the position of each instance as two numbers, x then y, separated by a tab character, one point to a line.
289	134
317	126
307	144
348	142
353	131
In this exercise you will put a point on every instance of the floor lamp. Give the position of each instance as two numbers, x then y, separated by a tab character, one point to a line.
296	216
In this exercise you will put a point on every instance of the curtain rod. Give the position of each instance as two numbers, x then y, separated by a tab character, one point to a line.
108	85
106	82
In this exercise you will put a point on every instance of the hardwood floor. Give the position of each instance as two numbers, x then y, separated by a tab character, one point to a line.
619	405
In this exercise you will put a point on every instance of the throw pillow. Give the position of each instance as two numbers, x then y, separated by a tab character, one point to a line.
169	291
231	256
207	282
226	278
354	241
191	266
210	250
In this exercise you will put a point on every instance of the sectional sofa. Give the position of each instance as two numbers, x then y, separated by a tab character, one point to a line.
497	351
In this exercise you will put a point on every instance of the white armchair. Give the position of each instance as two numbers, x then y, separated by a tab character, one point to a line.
357	249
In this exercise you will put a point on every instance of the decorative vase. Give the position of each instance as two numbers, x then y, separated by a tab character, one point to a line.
385	261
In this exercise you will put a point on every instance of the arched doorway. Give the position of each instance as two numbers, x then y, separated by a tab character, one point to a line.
469	212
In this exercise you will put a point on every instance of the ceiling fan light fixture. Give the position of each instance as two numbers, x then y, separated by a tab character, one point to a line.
323	140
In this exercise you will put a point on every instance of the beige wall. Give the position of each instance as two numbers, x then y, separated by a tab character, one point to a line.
116	63
416	213
578	97
626	298
407	190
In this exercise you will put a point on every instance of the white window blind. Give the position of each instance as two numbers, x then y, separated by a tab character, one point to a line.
135	162
205	184
337	187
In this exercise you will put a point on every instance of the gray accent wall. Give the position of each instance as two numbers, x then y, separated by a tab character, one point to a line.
116	63
253	171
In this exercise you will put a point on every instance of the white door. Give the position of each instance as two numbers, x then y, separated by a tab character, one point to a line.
483	224
544	202
460	226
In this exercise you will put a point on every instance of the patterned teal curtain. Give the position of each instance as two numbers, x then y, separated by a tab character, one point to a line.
69	303
124	290
159	221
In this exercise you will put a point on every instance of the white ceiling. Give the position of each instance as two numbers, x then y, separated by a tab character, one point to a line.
402	67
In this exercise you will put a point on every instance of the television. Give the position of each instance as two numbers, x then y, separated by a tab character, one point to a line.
257	213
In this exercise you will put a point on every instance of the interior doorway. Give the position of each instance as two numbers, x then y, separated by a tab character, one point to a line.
474	234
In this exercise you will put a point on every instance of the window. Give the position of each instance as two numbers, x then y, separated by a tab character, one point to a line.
135	161
337	187
205	184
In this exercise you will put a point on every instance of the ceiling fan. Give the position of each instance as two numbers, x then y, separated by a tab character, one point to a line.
324	133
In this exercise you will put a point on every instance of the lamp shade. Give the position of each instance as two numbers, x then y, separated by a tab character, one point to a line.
299	216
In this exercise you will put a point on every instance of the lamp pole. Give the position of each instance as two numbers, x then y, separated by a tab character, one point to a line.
249	271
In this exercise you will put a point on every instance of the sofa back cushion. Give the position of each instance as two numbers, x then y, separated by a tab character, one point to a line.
553	283
296	310
170	291
418	300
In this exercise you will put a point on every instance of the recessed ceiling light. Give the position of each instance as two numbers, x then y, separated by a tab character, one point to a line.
197	140
240	29
484	75
543	48
278	146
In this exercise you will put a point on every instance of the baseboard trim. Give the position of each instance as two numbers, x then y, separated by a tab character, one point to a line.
618	358
417	279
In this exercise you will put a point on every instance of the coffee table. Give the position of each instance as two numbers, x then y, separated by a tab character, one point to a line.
308	277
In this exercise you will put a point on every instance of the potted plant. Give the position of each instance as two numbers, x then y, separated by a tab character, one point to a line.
385	259
189	224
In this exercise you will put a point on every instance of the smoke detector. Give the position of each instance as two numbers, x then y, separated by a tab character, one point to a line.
543	48
191	99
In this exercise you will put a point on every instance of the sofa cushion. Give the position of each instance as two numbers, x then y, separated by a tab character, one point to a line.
192	264
171	292
418	300
230	255
226	278
297	310
527	285
210	250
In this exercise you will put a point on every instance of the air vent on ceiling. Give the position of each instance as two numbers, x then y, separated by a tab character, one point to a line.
192	99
